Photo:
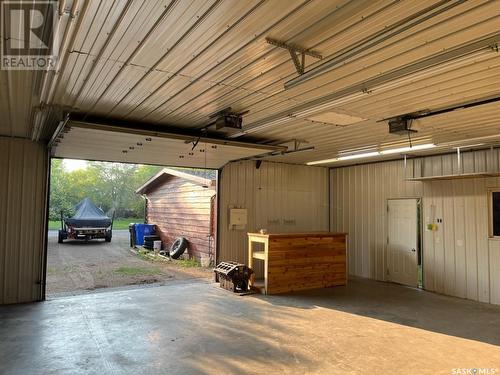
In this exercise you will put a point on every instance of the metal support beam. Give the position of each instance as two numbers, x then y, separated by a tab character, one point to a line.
58	131
295	51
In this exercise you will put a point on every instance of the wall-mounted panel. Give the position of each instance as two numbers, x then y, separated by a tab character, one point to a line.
281	198
458	258
23	180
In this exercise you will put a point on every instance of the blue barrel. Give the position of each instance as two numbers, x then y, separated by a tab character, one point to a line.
142	230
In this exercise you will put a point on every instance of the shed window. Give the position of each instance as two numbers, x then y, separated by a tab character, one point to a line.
495	214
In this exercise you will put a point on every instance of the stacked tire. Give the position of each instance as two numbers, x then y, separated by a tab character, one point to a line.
149	241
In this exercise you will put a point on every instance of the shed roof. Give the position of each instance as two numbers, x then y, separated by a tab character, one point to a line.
194	176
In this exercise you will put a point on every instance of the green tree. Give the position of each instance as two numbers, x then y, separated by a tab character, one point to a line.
59	198
111	186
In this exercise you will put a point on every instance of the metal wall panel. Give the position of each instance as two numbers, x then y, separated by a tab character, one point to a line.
459	258
23	179
278	197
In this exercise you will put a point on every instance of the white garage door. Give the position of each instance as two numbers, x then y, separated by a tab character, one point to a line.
88	141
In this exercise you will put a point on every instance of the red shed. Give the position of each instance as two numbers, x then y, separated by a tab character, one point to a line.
182	204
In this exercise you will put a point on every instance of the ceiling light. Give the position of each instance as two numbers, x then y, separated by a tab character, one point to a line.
346	157
407	149
373	153
359	156
326	161
469	146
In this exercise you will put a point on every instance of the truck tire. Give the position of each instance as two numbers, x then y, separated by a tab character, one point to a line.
108	237
60	237
178	247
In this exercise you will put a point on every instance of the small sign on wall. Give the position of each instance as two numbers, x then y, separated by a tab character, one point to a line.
237	218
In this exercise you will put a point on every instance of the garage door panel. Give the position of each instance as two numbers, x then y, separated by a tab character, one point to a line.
91	142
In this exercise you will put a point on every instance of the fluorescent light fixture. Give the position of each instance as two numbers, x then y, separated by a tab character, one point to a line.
346	157
359	156
326	161
408	149
469	146
374	153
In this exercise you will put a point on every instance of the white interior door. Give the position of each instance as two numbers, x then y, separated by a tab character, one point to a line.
402	240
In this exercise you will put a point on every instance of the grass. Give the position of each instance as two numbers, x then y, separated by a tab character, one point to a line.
188	263
119	224
136	271
142	254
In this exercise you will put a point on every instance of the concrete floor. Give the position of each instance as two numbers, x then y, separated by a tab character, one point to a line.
192	327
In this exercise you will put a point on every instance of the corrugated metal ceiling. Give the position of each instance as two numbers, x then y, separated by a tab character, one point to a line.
174	63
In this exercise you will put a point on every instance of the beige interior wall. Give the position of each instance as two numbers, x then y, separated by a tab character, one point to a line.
278	197
459	258
23	178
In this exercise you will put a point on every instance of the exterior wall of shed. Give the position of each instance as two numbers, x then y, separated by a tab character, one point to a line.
278	197
181	208
23	181
459	259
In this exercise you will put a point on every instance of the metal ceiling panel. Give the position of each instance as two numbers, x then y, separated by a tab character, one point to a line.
174	63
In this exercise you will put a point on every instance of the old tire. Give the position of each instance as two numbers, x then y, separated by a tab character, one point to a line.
242	285
178	247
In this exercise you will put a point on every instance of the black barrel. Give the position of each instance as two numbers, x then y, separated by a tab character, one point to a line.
131	229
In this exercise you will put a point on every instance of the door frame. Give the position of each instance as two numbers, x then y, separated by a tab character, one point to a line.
420	242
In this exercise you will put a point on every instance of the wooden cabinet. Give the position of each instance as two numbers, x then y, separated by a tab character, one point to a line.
298	261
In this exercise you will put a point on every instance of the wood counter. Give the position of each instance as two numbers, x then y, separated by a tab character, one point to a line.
298	261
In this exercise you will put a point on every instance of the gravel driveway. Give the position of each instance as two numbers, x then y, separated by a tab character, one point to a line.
75	266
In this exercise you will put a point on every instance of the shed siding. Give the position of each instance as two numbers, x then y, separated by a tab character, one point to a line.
23	181
181	208
279	197
459	259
